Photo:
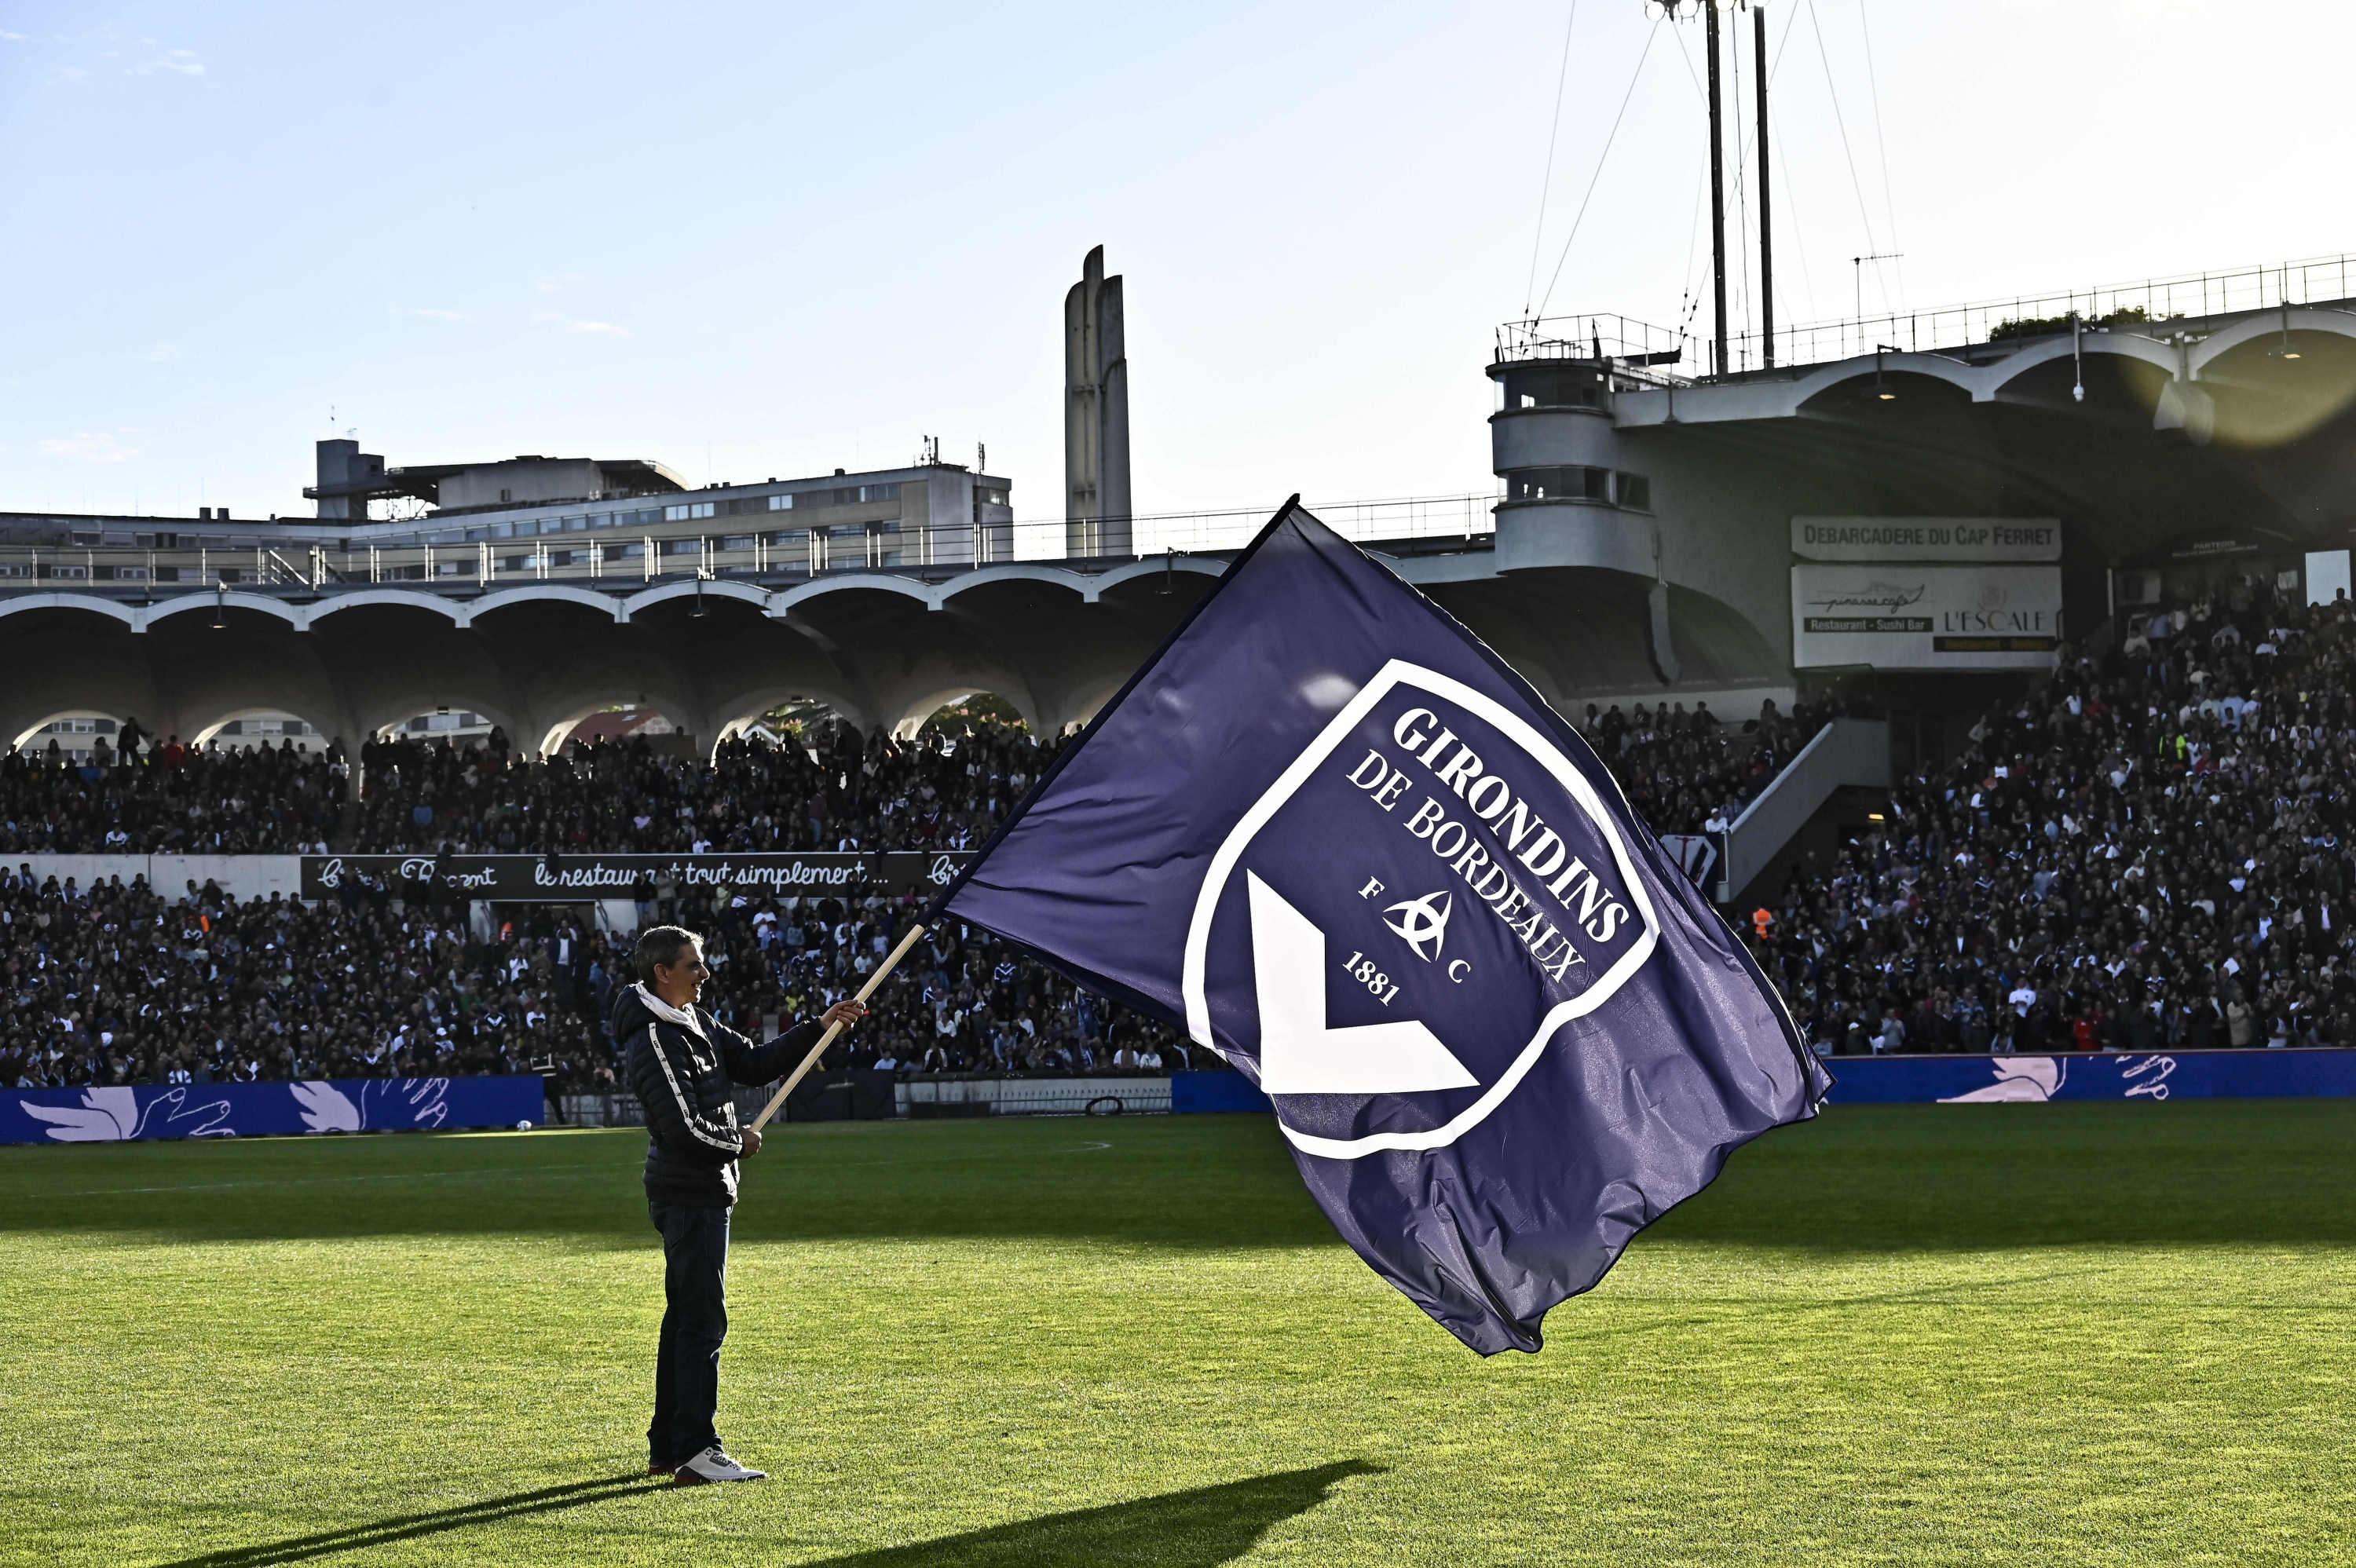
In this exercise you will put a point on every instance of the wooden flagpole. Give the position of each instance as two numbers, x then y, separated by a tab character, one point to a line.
811	1061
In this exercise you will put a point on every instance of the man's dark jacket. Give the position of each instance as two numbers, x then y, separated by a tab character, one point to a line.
686	1078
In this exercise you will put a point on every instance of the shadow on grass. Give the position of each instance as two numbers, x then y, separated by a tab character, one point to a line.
408	1527
1197	1529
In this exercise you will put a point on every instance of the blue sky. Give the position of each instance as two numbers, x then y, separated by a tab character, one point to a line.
754	240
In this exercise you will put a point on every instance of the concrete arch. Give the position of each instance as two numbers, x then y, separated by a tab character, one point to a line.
914	710
128	614
205	733
385	713
1202	566
1054	576
605	605
409	598
295	616
2002	373
735	712
22	731
2265	324
557	728
743	592
850	581
1964	378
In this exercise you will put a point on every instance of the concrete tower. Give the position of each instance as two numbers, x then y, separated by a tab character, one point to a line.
1096	415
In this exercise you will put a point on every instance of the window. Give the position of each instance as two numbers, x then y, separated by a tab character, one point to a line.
781	503
622	551
687	511
1635	492
734	541
507	495
565	558
879	492
503	530
576	525
506	563
1553	386
460	567
1559	484
683	547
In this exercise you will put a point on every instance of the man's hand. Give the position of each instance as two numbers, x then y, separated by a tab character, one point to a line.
845	1014
752	1143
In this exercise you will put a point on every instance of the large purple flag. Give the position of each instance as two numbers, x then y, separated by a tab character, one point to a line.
1332	836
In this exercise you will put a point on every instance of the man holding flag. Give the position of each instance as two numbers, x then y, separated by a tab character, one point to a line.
1334	838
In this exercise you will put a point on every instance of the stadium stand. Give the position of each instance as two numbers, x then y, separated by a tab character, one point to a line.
1684	771
2145	852
167	799
617	797
2150	851
118	983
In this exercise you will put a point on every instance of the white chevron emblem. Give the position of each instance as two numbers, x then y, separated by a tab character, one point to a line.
1298	1053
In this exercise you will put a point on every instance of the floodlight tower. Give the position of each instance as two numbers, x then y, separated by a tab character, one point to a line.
1671	10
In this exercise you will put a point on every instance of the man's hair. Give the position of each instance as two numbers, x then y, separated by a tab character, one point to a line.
663	944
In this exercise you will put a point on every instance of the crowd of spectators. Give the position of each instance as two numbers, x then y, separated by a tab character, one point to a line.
1687	771
135	796
826	790
120	983
2150	851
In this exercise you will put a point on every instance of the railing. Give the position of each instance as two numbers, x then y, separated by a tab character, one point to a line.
2187	299
631	559
1636	349
1847	751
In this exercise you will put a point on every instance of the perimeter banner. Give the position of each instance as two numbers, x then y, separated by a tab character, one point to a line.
575	879
117	1115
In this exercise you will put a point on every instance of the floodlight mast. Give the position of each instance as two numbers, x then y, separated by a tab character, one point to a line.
1710	9
1766	246
1716	187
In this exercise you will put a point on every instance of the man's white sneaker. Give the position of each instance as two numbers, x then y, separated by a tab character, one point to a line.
714	1464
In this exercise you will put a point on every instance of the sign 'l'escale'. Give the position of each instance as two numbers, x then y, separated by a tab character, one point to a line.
1338	840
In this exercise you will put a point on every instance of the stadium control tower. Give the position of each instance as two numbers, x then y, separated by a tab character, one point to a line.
1096	416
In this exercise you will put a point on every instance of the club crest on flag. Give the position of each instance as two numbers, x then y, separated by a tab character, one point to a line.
1422	904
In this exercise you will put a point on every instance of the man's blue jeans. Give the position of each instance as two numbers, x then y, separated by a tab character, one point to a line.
695	1322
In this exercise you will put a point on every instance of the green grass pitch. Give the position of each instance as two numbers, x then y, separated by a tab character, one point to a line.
1988	1334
